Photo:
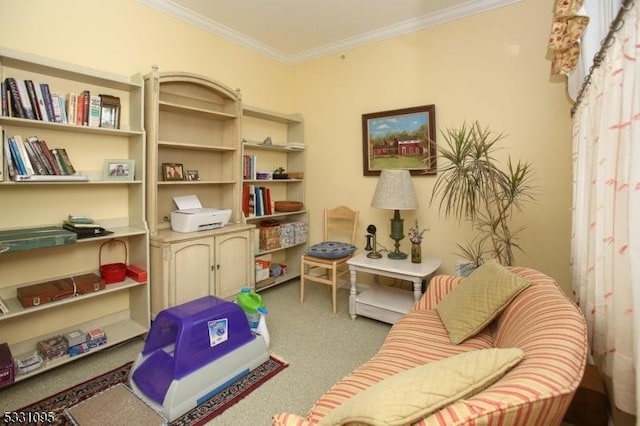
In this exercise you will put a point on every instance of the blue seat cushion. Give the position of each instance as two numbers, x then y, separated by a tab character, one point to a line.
331	250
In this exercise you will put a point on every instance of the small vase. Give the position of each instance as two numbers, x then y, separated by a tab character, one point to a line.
416	253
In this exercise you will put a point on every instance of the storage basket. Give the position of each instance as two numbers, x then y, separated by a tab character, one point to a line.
113	272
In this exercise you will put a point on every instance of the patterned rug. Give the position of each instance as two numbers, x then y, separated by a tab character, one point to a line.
203	413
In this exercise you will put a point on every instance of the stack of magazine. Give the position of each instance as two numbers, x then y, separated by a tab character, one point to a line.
84	227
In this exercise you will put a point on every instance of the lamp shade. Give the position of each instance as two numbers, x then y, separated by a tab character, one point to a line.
395	191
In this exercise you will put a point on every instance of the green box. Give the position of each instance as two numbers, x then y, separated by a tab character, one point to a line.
33	238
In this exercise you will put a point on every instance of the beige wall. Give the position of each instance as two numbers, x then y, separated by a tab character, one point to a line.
489	67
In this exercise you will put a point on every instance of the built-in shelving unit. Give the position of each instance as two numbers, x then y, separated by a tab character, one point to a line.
194	121
122	309
285	148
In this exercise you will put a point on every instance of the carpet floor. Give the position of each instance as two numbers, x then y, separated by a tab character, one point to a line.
320	347
93	399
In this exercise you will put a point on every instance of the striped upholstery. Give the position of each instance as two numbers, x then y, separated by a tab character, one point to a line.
541	321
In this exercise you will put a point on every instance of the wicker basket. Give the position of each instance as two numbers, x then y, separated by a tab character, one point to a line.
288	206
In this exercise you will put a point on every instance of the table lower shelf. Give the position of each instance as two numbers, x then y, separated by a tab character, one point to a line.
387	304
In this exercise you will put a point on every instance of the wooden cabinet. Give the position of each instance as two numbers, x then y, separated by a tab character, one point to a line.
189	266
122	309
194	123
284	148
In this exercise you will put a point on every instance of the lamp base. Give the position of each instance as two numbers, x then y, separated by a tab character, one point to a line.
399	255
397	234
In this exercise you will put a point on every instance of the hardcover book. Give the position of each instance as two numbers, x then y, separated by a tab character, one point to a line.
72	108
48	102
94	111
16	102
33	99
24	99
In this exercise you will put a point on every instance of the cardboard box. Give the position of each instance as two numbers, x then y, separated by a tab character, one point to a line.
269	237
7	369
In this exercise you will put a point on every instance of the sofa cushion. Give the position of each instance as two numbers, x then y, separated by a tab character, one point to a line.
413	394
478	299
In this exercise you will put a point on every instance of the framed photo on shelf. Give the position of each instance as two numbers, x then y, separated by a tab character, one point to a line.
400	139
119	170
172	171
193	175
109	112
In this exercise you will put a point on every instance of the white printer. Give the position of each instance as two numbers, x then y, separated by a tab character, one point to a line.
191	216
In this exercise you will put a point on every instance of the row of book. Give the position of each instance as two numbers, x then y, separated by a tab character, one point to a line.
35	101
30	158
249	167
256	201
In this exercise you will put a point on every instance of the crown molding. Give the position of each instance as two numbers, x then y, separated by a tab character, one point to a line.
470	8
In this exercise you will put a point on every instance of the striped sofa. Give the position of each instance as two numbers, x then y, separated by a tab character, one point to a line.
541	321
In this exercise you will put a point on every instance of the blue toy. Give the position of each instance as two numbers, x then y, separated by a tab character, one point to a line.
192	352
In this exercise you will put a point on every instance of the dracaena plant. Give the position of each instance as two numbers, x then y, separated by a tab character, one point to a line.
471	185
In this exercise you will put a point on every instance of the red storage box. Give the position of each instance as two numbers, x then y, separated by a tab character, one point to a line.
113	272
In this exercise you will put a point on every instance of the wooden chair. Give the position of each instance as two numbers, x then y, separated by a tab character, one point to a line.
339	225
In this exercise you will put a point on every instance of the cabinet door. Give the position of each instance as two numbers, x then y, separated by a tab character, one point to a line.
234	264
191	274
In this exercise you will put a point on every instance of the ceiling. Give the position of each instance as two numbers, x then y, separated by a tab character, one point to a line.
293	31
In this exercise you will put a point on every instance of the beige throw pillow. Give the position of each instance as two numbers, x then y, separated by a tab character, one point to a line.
416	393
478	299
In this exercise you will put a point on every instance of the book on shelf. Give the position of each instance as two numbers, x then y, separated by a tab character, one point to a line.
64	160
85	225
28	167
24	99
14	98
4	98
44	115
31	160
36	162
86	99
58	108
15	155
94	111
85	230
7	162
49	155
72	107
48	101
33	99
3	164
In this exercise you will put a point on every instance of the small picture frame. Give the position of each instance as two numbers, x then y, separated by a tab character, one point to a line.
109	112
172	171
193	175
119	170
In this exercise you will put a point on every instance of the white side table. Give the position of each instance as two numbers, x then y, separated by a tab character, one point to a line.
387	304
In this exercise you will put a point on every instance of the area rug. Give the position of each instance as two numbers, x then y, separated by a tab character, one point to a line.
203	413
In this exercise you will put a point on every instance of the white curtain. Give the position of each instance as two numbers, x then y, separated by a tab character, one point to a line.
606	212
601	13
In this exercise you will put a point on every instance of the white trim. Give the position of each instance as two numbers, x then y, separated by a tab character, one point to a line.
472	7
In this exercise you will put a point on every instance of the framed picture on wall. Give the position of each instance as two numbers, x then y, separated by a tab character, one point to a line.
400	139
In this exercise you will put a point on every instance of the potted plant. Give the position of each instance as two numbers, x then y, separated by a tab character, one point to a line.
280	174
472	186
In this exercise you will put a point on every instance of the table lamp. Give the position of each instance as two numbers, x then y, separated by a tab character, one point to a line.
395	192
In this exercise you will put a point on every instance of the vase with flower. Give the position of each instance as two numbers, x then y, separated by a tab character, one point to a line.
415	236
